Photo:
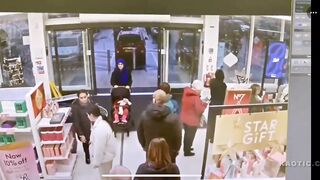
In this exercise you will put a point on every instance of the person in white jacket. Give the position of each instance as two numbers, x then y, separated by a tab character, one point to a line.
103	144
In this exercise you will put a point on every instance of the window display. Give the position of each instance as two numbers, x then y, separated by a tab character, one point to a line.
15	59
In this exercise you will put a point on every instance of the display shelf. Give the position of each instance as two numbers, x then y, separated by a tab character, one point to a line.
66	130
64	171
14	114
45	122
68	151
21	130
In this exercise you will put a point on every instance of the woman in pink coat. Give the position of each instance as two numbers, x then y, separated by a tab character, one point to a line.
191	110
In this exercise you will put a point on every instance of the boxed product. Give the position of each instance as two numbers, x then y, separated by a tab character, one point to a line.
21	122
58	133
20	106
56	118
51	167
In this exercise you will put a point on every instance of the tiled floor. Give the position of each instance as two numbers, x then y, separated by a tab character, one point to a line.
133	156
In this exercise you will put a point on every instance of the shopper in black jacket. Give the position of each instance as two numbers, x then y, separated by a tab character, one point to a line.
158	162
79	110
218	93
158	121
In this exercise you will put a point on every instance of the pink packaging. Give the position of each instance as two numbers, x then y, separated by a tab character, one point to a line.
56	150
278	157
45	150
44	134
63	149
51	134
51	167
59	133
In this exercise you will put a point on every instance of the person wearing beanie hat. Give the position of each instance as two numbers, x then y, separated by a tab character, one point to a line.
191	110
197	85
158	121
121	76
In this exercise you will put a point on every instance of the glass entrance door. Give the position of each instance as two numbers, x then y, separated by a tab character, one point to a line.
138	46
182	47
70	61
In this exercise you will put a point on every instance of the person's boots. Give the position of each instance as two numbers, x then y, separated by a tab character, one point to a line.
124	119
116	119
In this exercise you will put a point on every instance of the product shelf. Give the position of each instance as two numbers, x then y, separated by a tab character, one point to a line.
68	151
14	114
15	130
45	122
64	171
66	131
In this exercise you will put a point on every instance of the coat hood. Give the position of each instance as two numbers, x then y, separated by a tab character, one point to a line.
156	111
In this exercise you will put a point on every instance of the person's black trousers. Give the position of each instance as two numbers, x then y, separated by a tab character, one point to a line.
189	134
86	150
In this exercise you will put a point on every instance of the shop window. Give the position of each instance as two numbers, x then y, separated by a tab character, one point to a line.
15	59
266	29
183	56
233	47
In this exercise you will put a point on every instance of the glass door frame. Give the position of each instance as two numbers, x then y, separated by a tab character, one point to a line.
165	53
87	60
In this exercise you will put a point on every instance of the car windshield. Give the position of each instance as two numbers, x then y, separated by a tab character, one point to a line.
129	38
65	42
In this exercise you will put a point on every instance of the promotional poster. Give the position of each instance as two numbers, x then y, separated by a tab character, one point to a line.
18	162
276	59
251	131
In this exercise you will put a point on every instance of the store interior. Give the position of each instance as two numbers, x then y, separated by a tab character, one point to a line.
47	57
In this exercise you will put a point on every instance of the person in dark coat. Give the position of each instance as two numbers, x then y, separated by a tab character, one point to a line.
121	75
218	93
191	111
82	124
158	121
158	161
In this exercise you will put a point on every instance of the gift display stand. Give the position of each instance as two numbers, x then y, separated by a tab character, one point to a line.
16	124
238	135
52	140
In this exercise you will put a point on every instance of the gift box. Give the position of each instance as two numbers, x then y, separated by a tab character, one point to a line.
20	106
51	167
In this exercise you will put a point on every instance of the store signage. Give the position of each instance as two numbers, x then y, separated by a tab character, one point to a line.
237	96
38	100
276	59
251	131
17	161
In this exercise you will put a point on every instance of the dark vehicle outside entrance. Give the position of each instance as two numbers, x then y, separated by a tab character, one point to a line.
130	46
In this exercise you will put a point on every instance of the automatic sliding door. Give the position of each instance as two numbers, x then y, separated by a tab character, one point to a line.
138	46
183	57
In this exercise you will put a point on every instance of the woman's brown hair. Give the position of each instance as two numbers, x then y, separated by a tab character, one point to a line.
158	153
